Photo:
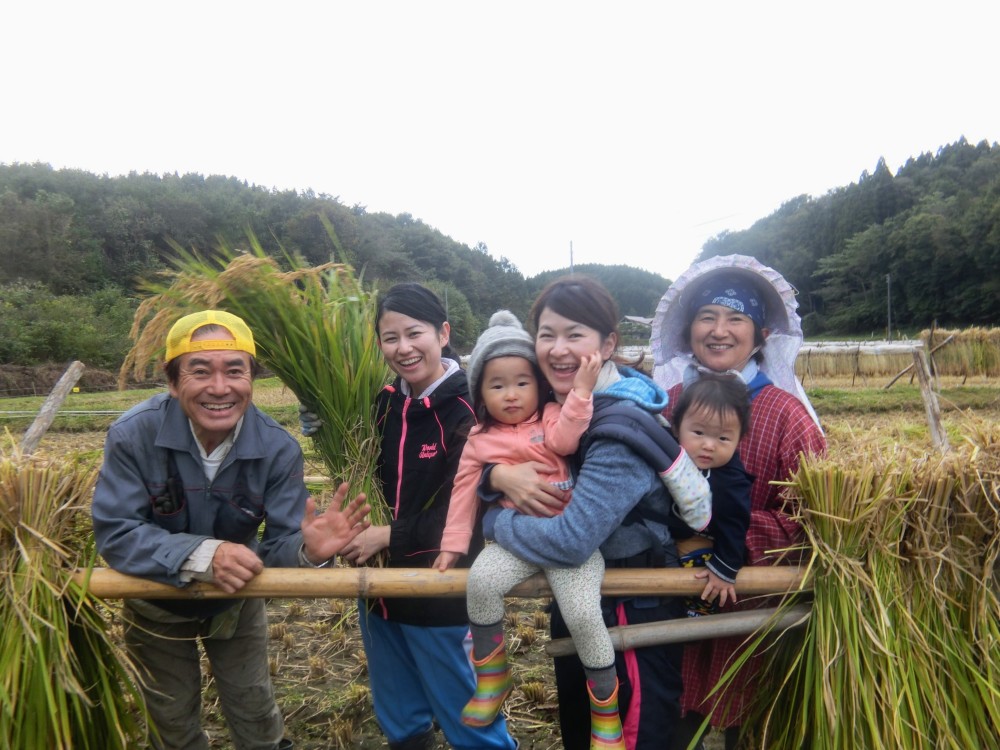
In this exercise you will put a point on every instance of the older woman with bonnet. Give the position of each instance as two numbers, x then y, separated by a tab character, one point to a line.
732	314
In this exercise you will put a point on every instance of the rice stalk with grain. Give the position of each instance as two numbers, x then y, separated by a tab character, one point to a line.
314	327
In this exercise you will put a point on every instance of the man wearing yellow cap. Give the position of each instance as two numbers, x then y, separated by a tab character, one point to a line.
189	476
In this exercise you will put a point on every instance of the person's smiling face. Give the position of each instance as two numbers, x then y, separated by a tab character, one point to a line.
412	348
214	389
561	343
721	338
710	438
509	389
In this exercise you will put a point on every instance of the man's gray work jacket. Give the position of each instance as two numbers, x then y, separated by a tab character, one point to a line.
150	447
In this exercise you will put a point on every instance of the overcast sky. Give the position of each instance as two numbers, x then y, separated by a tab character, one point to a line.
633	130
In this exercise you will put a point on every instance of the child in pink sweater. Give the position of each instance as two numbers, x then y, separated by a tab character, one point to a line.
506	384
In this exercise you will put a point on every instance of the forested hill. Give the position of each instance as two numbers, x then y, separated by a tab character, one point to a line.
75	247
933	229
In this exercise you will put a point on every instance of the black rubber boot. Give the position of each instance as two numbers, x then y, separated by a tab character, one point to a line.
733	740
424	741
686	730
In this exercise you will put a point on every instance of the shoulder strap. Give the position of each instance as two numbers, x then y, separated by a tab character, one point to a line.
649	439
635	427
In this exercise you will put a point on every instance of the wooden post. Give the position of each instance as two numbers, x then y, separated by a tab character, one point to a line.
938	436
416	582
47	413
906	369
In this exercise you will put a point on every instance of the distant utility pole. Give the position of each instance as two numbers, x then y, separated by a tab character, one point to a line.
571	257
888	302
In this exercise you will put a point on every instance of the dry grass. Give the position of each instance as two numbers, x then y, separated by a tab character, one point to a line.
972	352
968	354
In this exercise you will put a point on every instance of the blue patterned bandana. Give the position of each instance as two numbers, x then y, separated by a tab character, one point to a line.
732	292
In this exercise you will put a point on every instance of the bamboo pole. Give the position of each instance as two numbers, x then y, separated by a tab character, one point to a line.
363	582
628	637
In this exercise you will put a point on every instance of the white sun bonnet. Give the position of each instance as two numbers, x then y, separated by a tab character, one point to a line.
671	356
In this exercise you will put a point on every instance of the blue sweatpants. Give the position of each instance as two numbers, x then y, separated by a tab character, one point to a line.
418	674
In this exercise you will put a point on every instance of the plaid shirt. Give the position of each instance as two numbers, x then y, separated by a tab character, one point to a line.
780	430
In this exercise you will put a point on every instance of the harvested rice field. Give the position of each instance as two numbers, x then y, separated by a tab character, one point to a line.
317	660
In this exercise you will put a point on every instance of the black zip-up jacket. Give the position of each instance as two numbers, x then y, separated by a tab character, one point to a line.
422	441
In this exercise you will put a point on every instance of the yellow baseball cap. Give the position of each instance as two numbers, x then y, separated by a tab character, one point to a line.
179	339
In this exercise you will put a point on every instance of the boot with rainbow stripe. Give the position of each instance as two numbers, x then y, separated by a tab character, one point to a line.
493	685
605	723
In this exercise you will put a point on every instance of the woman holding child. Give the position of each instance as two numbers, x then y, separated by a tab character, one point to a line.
620	506
417	648
731	314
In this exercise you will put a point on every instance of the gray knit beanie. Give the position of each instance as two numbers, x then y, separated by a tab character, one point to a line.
505	337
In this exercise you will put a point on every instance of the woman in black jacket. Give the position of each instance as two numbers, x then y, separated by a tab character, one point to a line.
418	659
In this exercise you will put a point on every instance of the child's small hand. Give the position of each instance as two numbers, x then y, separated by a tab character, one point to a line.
446	560
716	587
586	374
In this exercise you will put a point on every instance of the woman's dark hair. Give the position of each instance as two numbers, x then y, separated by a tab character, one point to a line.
580	299
717	395
486	419
418	302
172	369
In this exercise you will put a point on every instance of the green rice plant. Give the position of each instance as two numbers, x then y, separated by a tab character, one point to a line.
64	683
846	634
902	648
314	327
954	546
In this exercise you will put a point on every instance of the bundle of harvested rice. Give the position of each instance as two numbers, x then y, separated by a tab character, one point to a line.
64	683
903	645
